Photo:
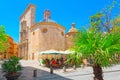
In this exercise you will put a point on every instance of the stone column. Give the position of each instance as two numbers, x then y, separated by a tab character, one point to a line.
20	51
24	52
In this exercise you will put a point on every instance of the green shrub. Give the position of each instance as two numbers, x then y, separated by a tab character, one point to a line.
43	61
12	65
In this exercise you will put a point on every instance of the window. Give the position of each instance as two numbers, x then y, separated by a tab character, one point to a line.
44	30
33	33
62	33
23	25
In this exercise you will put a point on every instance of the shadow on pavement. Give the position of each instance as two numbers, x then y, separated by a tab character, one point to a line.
27	74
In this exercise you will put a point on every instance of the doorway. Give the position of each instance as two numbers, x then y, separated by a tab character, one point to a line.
32	56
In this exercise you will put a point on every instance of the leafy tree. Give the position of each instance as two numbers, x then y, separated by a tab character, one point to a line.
12	66
95	22
3	40
116	25
102	21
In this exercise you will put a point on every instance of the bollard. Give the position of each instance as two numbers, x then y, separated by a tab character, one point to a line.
74	67
51	70
35	73
64	68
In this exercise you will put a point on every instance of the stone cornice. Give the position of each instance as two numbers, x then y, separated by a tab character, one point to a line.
26	10
23	42
47	23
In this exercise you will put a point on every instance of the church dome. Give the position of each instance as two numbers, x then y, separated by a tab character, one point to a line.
73	29
48	20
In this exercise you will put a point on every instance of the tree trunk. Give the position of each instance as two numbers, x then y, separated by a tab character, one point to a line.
97	71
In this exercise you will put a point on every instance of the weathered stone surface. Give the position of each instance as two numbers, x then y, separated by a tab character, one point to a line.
45	35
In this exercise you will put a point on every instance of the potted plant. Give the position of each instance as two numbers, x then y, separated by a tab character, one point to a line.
12	68
43	62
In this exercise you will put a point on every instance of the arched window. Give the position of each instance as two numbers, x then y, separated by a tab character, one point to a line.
44	30
33	33
62	33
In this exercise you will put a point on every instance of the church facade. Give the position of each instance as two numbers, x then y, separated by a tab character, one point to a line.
42	36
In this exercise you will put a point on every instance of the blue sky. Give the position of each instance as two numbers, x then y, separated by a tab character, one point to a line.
63	12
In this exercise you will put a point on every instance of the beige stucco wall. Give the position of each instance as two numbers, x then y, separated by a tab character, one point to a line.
33	44
52	39
69	39
28	16
55	37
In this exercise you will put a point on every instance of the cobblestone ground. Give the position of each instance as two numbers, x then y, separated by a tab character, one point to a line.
43	73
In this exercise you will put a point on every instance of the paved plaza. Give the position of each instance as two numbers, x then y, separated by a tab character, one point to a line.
43	73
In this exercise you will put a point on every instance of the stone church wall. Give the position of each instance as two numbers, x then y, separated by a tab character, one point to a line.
47	37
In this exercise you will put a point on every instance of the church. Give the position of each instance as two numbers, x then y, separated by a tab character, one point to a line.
42	36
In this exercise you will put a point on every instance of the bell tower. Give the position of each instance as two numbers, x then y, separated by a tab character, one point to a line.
47	15
27	20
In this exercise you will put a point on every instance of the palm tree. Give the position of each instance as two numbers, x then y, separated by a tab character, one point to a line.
74	59
102	47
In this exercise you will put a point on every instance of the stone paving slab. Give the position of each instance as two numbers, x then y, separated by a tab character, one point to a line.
43	73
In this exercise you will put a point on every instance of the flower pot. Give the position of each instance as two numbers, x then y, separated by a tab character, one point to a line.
43	65
13	76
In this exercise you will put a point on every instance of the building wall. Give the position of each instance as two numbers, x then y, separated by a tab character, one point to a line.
10	50
53	38
1	56
46	36
34	43
37	37
29	15
26	21
69	39
15	49
69	42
